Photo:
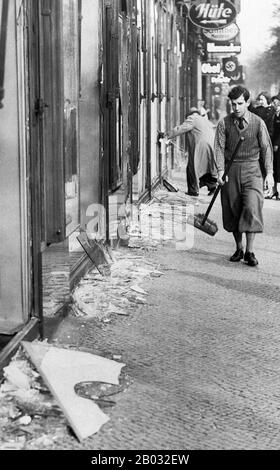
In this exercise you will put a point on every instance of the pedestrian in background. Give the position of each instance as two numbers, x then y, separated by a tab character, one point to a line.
265	110
202	110
242	192
276	148
200	169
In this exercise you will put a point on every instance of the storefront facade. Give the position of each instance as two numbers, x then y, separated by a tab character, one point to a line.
90	86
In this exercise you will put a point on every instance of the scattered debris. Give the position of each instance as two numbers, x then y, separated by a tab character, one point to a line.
25	420
119	311
14	412
100	297
74	386
37	417
169	186
102	390
43	441
138	289
96	252
15	377
61	370
117	357
17	444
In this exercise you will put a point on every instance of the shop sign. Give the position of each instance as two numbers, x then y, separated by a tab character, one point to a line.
209	16
224	49
220	79
222	35
217	89
209	68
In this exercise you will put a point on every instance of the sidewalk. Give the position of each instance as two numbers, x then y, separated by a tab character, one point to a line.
201	349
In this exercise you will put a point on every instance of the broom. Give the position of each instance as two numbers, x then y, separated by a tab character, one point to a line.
200	220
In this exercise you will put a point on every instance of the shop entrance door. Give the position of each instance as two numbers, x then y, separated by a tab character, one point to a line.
47	188
15	278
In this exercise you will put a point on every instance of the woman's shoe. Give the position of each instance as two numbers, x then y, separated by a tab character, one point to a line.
250	258
237	256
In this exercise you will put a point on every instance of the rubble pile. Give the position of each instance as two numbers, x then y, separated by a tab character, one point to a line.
162	220
119	294
29	415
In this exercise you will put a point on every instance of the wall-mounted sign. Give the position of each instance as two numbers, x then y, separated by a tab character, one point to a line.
216	89
209	16
210	68
222	35
220	79
228	48
230	65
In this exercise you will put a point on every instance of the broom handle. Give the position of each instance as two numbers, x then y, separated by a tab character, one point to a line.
217	190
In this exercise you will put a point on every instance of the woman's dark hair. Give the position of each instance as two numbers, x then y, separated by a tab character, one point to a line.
266	95
237	91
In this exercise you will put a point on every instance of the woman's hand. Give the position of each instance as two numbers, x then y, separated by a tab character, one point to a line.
221	182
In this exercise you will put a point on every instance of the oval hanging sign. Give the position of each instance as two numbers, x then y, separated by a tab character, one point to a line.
209	16
222	35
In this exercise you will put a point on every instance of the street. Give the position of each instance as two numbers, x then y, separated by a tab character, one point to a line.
203	353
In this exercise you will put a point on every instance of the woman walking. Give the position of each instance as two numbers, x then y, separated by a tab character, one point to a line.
265	110
276	148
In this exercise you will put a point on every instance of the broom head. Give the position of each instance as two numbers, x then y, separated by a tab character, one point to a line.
208	227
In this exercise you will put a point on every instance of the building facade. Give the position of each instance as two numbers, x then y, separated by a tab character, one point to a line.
90	86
